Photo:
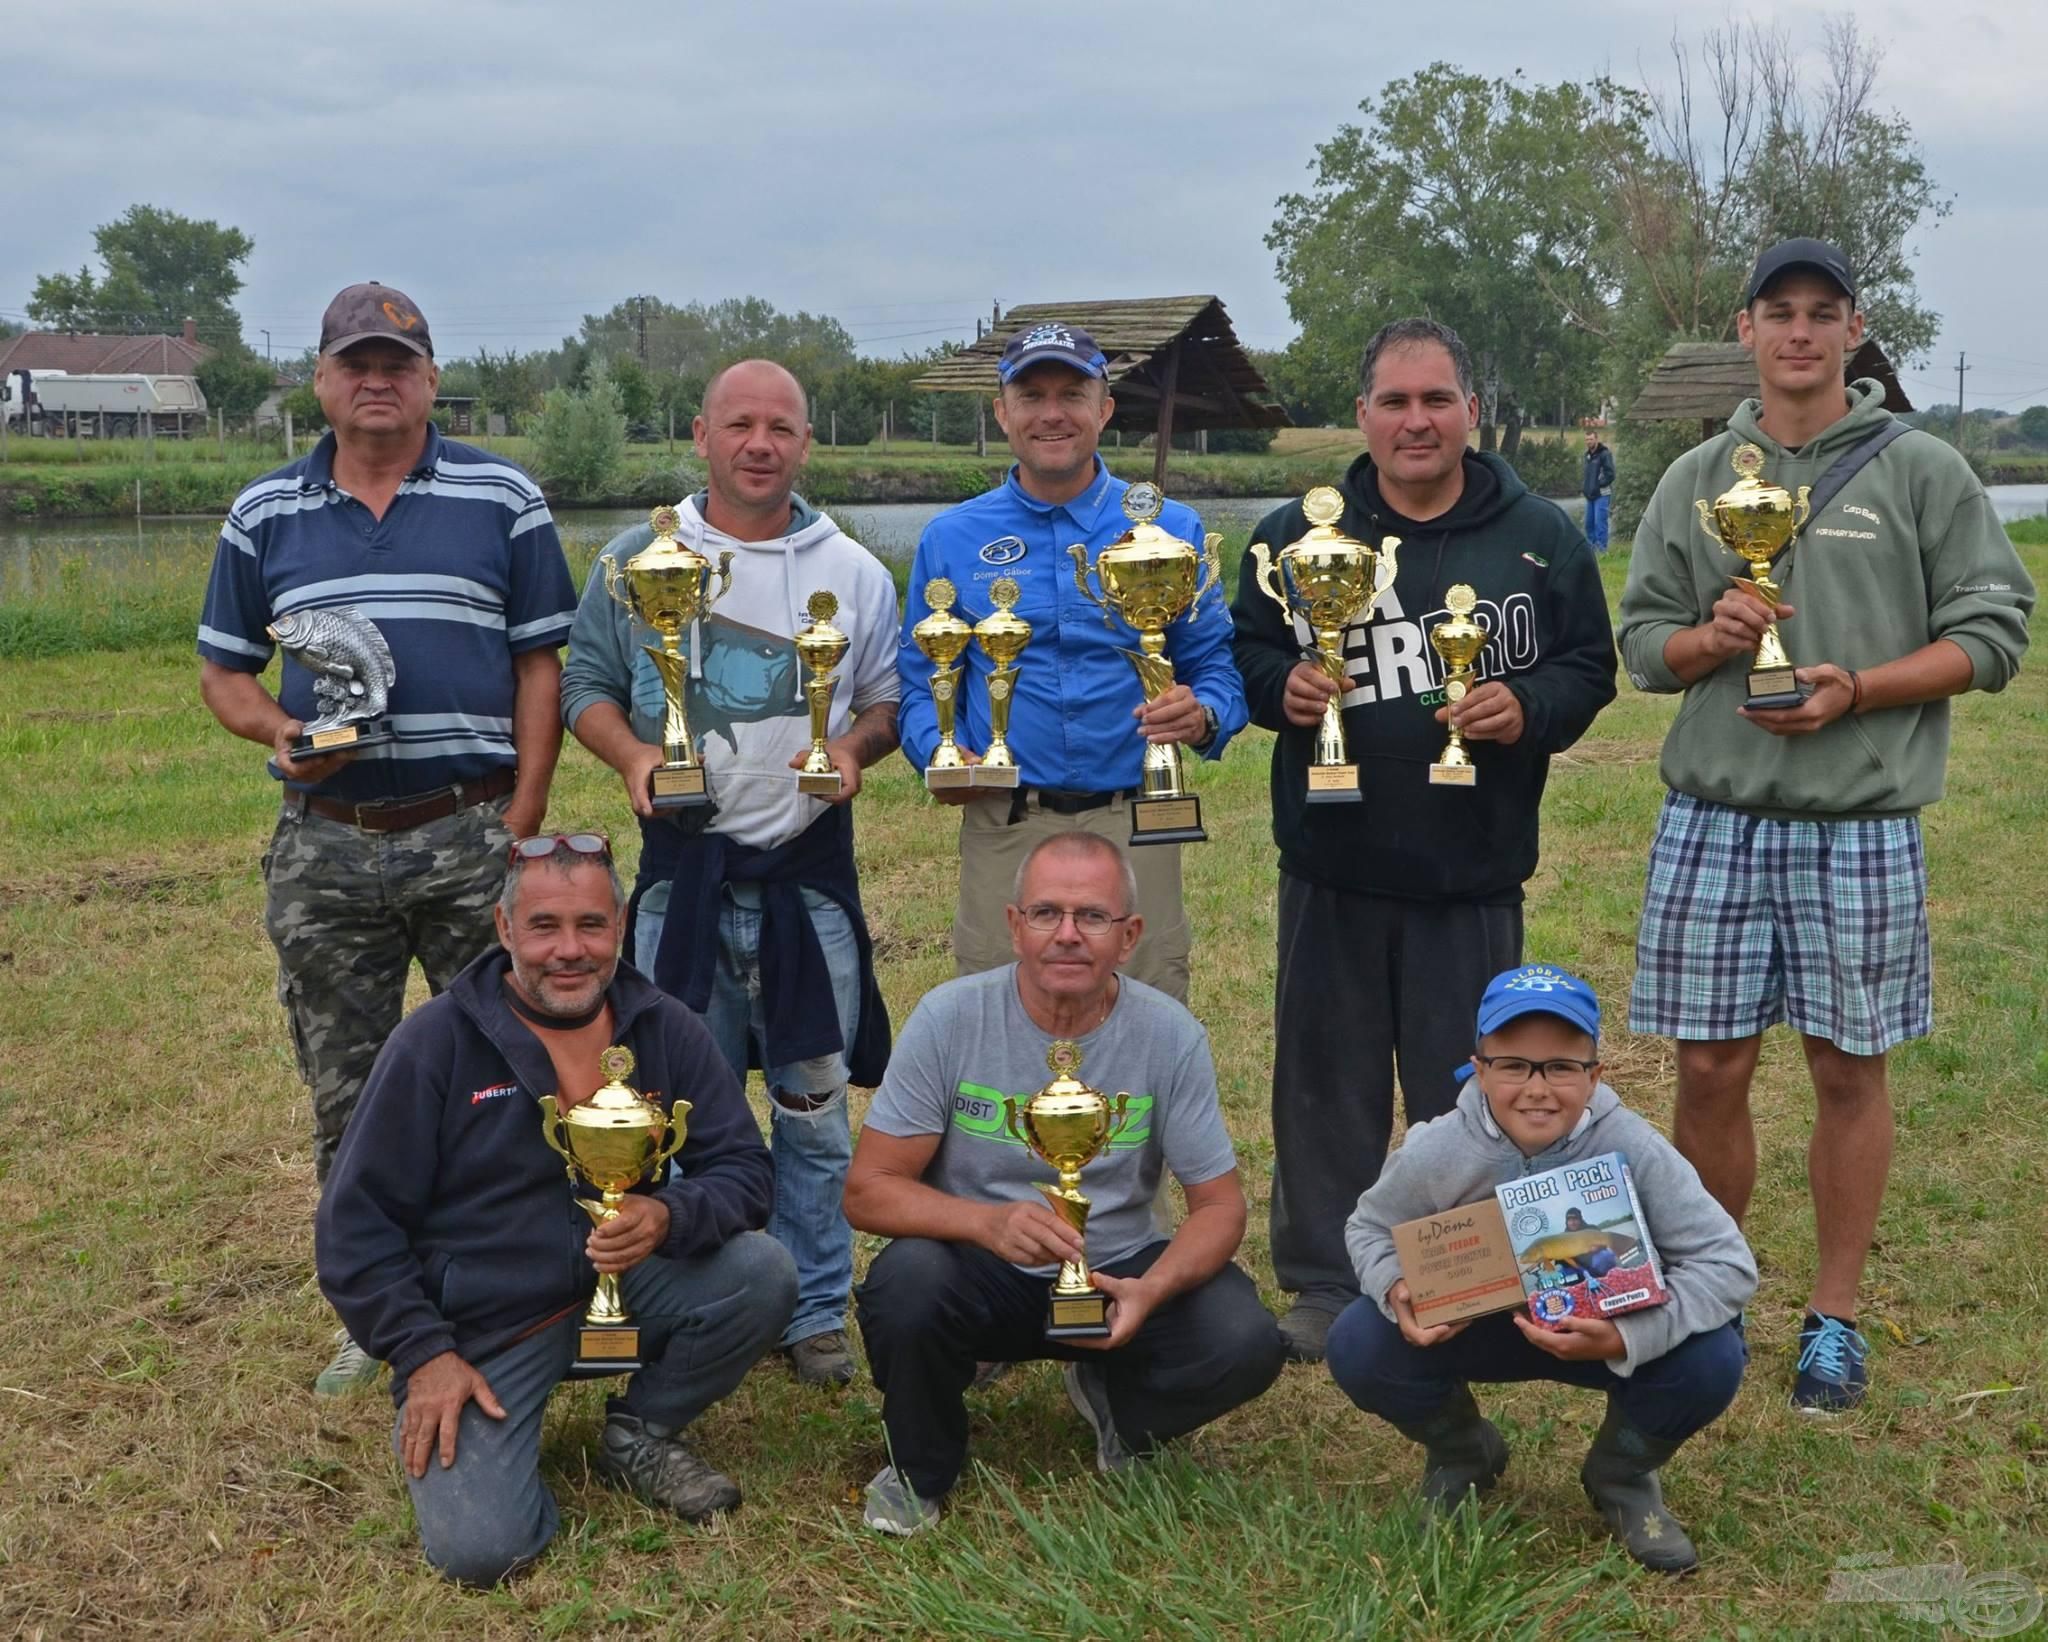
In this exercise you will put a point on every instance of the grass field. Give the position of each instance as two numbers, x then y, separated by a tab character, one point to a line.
167	1471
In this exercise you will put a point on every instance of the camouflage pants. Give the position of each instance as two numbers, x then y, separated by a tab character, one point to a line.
348	911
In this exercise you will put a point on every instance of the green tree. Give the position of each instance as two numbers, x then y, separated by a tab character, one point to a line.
158	270
234	382
302	405
2034	424
580	437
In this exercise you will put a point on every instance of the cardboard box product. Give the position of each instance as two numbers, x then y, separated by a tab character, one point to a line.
1458	1264
1579	1241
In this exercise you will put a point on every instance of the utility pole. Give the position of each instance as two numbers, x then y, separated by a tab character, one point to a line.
266	346
1960	368
640	315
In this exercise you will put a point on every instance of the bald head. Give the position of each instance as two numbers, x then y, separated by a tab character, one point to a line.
757	378
754	434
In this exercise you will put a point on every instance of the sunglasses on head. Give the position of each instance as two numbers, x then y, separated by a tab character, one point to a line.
544	844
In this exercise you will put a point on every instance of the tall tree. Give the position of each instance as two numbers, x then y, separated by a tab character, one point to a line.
158	270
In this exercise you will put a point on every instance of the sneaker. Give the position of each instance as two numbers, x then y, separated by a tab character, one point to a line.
1831	1377
350	1369
647	1461
822	1359
1089	1393
893	1507
1305	1328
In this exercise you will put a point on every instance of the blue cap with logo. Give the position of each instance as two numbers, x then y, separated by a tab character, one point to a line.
1538	989
1052	342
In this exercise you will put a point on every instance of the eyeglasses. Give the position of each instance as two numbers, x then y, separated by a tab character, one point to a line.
543	844
1513	1069
1044	918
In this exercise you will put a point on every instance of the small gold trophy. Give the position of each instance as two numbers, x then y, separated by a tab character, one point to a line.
667	587
820	647
1148	578
1068	1124
942	636
612	1142
1002	635
1756	521
1328	580
1458	641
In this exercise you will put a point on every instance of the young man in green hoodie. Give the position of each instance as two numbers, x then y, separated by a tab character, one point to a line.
1396	908
1786	878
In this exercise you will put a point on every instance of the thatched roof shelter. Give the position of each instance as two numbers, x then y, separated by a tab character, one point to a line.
1707	380
1174	362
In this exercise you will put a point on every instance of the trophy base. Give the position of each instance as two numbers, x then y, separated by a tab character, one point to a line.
948	777
1077	1316
608	1348
1453	775
1167	821
999	776
814	784
344	738
1774	687
1334	784
677	787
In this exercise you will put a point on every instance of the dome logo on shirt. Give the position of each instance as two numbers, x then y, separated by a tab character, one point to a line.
1003	550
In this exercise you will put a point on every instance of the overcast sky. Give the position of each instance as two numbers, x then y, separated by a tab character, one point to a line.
514	164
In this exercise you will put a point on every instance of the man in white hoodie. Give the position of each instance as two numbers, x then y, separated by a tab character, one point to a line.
750	913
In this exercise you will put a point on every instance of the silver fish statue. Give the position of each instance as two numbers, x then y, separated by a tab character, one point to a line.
351	666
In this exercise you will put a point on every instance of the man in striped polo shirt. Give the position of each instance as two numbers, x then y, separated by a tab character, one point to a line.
397	852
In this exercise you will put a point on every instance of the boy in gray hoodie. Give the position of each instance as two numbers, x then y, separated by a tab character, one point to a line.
1535	1101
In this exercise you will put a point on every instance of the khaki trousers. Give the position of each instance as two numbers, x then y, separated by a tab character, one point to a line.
991	851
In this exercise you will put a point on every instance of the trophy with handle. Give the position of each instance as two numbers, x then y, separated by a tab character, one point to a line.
1756	522
820	647
611	1142
1329	581
1148	577
942	636
1458	639
667	586
1068	1125
1002	635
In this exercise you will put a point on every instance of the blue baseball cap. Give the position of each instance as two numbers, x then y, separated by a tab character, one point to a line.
1539	989
1060	344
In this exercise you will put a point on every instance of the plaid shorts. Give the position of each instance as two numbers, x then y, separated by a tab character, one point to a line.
1749	922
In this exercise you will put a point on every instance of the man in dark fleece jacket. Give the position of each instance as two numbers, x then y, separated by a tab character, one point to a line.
448	1242
1396	910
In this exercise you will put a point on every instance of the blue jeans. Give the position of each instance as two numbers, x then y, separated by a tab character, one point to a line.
811	1147
1596	522
1669	1397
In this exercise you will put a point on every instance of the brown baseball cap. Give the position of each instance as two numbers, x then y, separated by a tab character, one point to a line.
373	312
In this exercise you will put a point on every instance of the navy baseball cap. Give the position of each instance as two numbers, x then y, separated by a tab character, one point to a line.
1814	254
1538	989
1066	345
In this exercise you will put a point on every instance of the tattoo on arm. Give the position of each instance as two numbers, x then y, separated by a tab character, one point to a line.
872	735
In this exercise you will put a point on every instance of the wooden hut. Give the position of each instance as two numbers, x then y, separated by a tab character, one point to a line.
1174	362
1707	380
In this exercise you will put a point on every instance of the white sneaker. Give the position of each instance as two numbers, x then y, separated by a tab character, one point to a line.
1089	1394
351	1369
893	1507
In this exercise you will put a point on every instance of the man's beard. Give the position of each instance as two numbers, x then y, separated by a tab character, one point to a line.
563	994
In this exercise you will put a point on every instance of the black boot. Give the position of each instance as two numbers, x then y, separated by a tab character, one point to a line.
1462	1451
1620	1478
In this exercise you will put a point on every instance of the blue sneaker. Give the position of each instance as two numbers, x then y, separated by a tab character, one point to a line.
1831	1377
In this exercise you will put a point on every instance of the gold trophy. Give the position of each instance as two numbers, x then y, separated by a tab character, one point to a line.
820	647
1148	578
1002	635
667	587
942	636
1458	641
612	1142
1328	580
1756	521
1068	1125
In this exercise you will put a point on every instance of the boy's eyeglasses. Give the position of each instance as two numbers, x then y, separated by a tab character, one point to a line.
1513	1069
543	844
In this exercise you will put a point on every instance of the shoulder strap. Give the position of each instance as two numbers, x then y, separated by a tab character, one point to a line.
1849	464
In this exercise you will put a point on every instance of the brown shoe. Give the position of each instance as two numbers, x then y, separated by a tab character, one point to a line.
822	1359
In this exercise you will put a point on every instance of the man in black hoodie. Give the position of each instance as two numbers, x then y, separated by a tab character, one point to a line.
448	1242
1396	910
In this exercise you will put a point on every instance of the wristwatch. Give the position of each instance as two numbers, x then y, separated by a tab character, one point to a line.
1211	727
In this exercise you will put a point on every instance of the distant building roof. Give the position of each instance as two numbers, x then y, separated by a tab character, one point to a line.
1705	381
85	353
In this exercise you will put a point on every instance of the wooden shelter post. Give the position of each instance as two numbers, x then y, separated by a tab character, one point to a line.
1169	377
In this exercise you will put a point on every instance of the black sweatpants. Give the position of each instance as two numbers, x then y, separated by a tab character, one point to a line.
1366	984
930	1311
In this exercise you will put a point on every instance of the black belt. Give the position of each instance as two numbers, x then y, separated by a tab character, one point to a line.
1061	801
401	814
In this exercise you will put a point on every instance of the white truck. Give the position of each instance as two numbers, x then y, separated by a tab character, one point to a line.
62	406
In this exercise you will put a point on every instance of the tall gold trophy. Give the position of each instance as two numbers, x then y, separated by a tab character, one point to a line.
1756	521
942	636
820	647
1148	578
611	1142
1458	640
1068	1125
667	587
1002	635
1328	580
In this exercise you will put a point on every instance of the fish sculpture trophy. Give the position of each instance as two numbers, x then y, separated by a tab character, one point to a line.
1756	522
1068	1125
820	647
352	677
1148	577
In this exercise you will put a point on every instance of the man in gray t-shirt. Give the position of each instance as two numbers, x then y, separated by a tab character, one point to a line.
975	1246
